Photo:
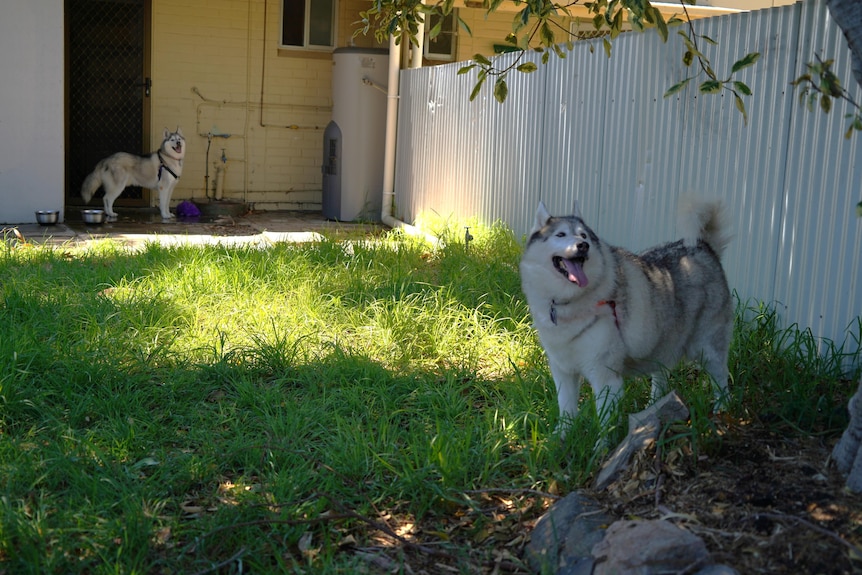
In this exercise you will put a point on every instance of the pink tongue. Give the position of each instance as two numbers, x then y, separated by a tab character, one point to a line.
576	272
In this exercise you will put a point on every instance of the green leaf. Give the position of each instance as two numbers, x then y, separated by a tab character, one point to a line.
740	105
825	103
501	90
483	75
607	46
465	69
465	26
480	59
859	210
710	87
677	87
660	24
435	31
687	58
617	24
801	79
546	35
745	62
742	88
709	40
527	67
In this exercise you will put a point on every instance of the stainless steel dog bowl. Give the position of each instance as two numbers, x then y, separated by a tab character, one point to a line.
47	217
93	216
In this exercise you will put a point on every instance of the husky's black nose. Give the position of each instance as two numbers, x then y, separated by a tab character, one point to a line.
583	248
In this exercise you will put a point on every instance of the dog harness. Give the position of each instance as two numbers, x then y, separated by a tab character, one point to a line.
163	166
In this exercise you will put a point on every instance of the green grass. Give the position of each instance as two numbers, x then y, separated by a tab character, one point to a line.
176	408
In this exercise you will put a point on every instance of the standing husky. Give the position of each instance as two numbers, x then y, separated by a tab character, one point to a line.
160	170
603	312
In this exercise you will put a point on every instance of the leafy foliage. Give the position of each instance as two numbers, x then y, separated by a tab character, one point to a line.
537	27
713	84
820	85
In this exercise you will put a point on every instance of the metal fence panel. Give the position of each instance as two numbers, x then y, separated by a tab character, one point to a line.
599	131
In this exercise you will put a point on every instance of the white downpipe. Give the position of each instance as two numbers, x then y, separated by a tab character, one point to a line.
389	142
416	51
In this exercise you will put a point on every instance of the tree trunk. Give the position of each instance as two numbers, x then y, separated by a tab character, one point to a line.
848	15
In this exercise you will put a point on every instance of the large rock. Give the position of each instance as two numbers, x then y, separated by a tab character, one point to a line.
648	547
563	538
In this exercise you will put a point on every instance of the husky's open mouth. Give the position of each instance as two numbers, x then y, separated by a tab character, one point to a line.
572	268
178	148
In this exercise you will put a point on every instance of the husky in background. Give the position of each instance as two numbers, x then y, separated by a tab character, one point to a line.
603	312
160	170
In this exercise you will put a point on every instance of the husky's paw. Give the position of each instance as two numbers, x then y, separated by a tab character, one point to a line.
168	216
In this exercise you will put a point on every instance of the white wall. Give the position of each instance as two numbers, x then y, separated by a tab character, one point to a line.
31	108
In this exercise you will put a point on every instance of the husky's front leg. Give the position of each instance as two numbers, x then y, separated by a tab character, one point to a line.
165	201
607	387
568	386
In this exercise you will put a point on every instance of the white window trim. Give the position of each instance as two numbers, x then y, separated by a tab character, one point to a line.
305	33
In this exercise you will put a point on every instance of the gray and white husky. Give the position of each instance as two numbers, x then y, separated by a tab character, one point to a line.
603	312
160	171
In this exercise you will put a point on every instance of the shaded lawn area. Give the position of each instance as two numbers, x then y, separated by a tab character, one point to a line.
325	407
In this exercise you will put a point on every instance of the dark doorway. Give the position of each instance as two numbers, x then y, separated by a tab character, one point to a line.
107	88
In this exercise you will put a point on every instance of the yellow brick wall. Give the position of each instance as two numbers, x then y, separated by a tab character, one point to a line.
216	67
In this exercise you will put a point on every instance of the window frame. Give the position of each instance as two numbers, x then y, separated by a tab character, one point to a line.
452	32
306	28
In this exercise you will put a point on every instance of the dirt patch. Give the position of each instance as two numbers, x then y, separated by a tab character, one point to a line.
762	501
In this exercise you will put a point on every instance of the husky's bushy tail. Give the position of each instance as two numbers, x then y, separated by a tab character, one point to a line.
91	184
706	220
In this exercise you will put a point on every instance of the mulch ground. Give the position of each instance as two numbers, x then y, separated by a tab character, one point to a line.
763	502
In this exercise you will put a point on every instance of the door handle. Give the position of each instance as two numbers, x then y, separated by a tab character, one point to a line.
147	84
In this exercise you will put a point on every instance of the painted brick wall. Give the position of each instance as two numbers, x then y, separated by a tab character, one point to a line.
217	68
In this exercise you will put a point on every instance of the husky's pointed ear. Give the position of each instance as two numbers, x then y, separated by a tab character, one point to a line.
576	210
542	216
179	132
167	133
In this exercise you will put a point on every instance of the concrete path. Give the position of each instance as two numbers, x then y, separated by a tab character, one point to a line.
137	228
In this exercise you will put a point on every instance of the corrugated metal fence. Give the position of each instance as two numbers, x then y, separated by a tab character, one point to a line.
599	130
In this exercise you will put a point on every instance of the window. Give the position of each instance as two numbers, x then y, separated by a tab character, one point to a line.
443	46
308	24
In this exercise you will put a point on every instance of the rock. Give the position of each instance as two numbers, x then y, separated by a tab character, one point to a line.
846	453
644	428
563	538
648	547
